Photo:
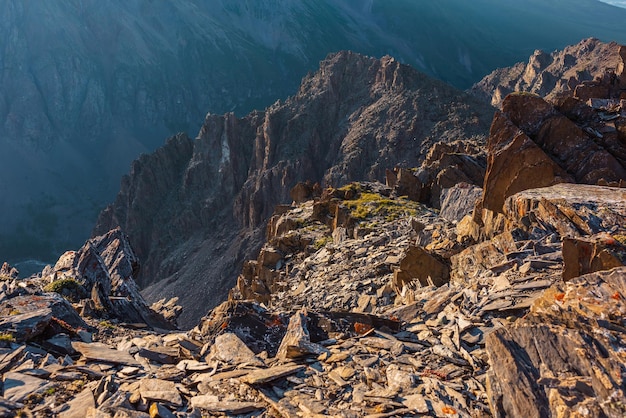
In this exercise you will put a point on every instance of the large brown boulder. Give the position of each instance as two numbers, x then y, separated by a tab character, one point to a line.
533	145
418	265
405	183
515	163
587	255
576	152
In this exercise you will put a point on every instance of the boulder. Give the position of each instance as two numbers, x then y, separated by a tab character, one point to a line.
301	192
531	145
590	254
405	183
105	267
573	149
527	111
418	265
230	349
516	163
590	89
28	316
297	340
459	201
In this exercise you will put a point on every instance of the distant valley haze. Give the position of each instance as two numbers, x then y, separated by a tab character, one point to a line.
86	86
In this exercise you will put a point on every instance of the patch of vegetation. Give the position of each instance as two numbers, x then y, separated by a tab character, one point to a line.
58	286
69	288
354	187
314	226
77	385
373	204
371	225
106	324
49	391
321	242
6	337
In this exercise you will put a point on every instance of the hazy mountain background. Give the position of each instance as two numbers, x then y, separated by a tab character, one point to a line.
88	85
619	3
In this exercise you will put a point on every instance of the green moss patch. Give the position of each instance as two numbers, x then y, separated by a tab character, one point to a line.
368	205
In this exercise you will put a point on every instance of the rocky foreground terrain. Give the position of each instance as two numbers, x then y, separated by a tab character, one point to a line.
508	299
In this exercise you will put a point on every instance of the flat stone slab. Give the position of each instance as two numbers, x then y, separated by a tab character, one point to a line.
160	390
230	349
163	355
273	373
104	353
571	209
79	406
18	386
212	404
26	326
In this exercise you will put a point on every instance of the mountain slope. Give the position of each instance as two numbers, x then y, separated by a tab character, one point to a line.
194	210
86	86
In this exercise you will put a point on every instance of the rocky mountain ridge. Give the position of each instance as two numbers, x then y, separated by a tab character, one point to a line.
85	87
196	208
550	74
509	300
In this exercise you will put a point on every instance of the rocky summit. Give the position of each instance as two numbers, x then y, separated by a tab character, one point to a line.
195	209
466	286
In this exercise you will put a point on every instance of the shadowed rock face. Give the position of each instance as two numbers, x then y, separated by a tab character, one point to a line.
104	267
194	209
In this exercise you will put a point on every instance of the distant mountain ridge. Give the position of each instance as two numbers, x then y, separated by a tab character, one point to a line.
550	74
618	3
86	86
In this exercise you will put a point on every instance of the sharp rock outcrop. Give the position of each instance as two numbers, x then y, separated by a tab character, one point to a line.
99	277
551	74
